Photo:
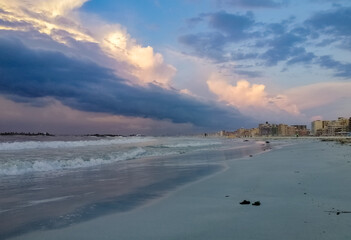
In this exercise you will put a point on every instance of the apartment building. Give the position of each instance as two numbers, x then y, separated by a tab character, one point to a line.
341	126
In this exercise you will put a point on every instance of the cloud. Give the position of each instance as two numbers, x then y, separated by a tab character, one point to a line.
320	94
251	74
235	38
61	21
254	3
282	48
305	58
45	17
228	28
295	104
342	69
235	26
148	66
56	118
243	56
275	28
194	21
208	45
241	95
335	24
335	21
269	44
251	99
85	86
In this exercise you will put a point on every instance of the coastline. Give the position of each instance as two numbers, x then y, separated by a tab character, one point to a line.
66	198
302	187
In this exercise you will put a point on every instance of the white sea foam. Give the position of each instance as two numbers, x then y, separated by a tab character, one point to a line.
5	146
48	200
21	167
192	143
21	158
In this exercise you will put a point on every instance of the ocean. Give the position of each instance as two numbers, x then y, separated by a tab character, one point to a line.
49	182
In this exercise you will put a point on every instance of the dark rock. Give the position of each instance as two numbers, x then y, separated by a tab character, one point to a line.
257	203
250	155
245	202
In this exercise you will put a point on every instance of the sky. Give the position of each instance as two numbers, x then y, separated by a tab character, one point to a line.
162	67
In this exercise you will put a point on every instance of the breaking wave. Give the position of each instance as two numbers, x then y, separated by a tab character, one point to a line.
20	167
40	156
191	144
5	146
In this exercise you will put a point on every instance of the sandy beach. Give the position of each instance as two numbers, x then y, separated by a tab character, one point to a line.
303	188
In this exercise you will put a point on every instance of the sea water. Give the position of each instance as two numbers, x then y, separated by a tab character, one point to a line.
52	182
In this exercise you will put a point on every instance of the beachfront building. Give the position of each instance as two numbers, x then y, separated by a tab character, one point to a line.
315	126
291	131
283	129
320	128
242	132
224	133
254	132
301	130
338	127
265	129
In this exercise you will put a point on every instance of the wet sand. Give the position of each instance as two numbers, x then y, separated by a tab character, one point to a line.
52	200
304	190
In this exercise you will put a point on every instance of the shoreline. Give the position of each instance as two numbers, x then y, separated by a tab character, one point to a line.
128	185
302	187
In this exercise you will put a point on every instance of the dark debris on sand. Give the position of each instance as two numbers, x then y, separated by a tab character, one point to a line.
247	202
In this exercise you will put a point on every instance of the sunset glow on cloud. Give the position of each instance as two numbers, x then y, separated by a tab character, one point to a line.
318	95
148	66
58	20
246	96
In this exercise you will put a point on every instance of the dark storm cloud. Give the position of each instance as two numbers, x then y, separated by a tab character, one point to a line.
254	3
28	75
341	69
